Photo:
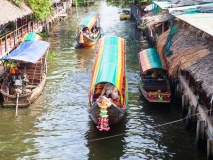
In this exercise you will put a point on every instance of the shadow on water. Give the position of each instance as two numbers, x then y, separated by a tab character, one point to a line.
107	145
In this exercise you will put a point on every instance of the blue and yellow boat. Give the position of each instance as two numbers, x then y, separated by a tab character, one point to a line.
89	30
154	83
109	68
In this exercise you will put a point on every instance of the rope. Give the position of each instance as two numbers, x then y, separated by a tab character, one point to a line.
117	135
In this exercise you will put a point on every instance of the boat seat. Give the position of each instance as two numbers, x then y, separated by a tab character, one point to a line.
30	86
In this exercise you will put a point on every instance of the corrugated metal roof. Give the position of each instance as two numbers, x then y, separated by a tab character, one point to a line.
202	21
10	12
163	4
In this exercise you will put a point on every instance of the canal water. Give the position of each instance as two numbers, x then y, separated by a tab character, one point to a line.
57	125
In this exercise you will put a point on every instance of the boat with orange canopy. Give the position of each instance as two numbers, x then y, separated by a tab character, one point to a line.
109	68
153	81
89	30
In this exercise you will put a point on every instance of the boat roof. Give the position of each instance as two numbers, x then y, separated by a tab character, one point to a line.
29	51
150	59
30	36
110	62
89	20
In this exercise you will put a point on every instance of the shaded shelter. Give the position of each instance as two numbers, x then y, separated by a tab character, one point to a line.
10	12
191	52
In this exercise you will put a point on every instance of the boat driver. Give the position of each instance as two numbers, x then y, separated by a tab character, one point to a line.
110	89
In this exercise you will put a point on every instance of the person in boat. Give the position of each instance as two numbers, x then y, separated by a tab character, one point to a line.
94	31
87	32
110	90
155	74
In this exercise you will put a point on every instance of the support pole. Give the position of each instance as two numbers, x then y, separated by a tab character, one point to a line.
209	149
200	133
17	104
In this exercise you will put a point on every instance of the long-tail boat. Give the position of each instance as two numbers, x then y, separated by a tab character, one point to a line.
89	30
153	81
26	76
109	67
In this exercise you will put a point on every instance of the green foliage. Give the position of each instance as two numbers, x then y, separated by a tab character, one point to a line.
17	2
80	3
10	63
41	8
125	3
50	56
44	34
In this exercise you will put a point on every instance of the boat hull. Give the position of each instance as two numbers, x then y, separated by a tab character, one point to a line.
87	42
156	95
23	100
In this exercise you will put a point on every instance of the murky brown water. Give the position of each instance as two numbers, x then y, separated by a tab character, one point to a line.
57	125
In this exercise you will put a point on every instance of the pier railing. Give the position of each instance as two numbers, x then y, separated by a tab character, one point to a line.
9	41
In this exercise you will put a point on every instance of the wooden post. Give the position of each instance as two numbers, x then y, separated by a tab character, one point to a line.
209	149
197	140
200	133
193	112
185	104
202	130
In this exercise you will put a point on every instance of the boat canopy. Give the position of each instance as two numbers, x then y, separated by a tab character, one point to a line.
29	51
30	36
89	21
110	62
149	59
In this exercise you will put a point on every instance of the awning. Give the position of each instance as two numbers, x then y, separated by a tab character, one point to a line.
149	59
90	20
29	51
109	65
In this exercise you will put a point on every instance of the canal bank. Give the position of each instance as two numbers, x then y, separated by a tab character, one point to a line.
183	36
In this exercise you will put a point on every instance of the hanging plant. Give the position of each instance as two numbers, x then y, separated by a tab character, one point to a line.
12	65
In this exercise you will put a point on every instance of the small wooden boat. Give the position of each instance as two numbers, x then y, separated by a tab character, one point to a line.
109	67
154	84
89	30
25	79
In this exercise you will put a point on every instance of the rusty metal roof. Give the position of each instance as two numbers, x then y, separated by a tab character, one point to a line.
10	12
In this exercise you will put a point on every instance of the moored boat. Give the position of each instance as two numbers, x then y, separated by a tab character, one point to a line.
26	76
109	69
89	30
153	81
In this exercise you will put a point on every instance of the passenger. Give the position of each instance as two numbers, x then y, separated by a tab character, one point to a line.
87	32
110	89
93	30
155	74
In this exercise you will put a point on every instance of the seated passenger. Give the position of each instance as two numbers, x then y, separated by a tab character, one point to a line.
155	74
